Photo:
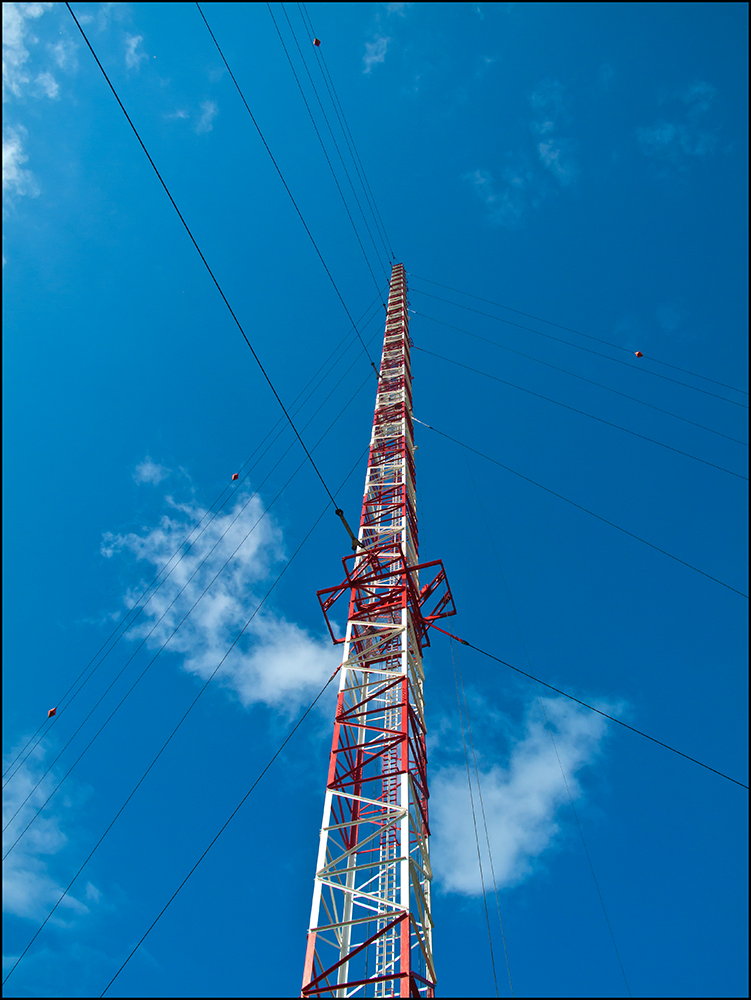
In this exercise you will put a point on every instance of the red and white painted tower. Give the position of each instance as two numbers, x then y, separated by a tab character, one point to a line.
370	924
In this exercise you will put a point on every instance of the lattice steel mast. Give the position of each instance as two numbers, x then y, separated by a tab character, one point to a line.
370	925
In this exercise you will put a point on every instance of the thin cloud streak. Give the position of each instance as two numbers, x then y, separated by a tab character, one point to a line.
557	153
210	110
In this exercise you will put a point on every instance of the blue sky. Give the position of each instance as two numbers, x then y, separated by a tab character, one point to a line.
583	163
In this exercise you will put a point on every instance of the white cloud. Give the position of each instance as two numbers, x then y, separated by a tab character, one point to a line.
670	140
92	893
398	8
29	890
210	111
150	472
17	18
107	10
506	201
557	153
132	56
523	185
65	54
375	52
559	157
277	662
699	97
48	84
522	800
16	179
687	134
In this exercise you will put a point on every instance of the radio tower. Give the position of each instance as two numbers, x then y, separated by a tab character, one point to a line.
370	925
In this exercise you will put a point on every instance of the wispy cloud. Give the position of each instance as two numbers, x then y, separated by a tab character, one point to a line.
377	47
375	52
277	662
133	54
523	182
559	157
150	472
209	111
20	82
548	99
507	198
65	54
557	152
686	132
29	890
47	84
17	23
16	179
522	799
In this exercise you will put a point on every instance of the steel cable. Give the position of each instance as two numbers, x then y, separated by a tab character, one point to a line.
579	507
458	669
474	823
550	732
205	262
581	835
626	430
162	647
305	225
129	621
166	743
612	718
331	132
349	138
579	333
318	134
564	371
580	347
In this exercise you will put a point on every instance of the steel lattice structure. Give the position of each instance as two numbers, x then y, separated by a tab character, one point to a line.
370	926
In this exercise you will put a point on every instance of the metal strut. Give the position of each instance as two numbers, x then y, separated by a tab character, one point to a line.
355	540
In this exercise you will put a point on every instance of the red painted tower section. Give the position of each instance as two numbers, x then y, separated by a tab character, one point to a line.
370	929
